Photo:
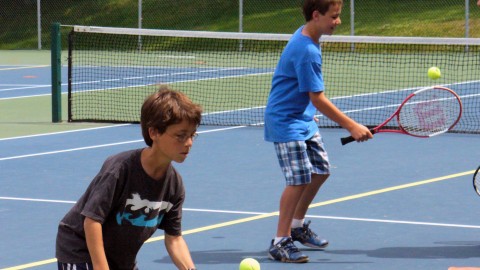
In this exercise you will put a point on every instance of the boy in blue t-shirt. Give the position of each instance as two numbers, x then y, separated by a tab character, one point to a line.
297	92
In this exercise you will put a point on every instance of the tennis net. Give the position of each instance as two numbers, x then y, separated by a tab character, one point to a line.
112	70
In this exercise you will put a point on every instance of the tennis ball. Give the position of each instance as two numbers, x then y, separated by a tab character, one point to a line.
249	264
434	73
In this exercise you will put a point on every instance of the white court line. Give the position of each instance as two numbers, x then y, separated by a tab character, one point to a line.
27	87
62	132
16	84
35	200
392	221
70	150
101	145
397	221
140	77
23	67
121	87
29	96
178	56
169	82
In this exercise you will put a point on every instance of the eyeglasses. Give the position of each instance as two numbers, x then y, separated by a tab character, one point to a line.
183	138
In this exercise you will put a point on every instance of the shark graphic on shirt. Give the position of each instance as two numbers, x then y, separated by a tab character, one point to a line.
143	213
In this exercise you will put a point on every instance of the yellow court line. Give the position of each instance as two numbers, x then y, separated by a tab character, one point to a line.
384	190
257	217
2	69
216	226
30	265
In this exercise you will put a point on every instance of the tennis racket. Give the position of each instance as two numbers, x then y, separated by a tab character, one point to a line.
476	181
425	113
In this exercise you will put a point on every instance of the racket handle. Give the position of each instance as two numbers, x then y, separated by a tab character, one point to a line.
350	139
346	140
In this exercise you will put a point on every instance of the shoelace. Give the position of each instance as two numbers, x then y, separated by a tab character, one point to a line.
307	230
289	246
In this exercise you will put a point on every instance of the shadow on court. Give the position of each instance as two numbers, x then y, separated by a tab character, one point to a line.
447	250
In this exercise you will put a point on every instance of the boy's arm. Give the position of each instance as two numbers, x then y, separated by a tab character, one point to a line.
178	250
359	132
94	237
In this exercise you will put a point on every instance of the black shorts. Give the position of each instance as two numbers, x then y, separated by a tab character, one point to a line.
75	266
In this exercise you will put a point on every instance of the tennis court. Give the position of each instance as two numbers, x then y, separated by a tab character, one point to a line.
407	204
395	202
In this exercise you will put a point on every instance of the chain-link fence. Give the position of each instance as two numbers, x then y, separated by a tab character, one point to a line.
25	24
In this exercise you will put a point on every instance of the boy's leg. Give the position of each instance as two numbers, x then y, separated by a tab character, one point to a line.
296	167
288	206
285	250
295	164
320	168
309	194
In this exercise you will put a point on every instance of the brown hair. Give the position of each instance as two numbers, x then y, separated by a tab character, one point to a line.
167	107
322	6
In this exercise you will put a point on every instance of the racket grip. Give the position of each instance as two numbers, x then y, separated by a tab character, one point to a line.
346	140
350	139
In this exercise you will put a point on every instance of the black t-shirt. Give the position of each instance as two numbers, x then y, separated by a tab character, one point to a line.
129	204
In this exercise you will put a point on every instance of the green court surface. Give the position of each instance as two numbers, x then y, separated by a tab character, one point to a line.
28	116
23	116
24	57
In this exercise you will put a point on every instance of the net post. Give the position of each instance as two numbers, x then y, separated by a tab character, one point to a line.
56	66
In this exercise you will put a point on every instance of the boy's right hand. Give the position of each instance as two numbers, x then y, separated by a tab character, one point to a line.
360	133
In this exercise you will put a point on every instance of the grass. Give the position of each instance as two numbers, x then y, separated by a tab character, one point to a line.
397	18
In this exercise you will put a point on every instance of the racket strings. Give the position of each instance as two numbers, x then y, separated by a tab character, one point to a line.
477	184
430	112
476	181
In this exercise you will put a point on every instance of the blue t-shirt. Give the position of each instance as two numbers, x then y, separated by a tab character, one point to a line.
289	114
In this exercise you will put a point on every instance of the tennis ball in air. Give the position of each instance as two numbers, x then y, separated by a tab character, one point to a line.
249	264
434	73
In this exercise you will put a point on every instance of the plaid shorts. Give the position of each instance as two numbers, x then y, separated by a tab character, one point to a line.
300	159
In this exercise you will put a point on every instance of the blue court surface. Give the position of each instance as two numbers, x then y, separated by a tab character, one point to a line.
26	81
395	202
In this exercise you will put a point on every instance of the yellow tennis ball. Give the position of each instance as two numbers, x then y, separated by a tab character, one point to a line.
249	264
434	73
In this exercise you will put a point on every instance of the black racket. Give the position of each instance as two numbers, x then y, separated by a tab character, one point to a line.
425	113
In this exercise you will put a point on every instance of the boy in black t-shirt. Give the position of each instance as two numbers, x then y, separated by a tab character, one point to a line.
135	193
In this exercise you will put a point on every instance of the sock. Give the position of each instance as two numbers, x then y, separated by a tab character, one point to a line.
297	223
278	239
